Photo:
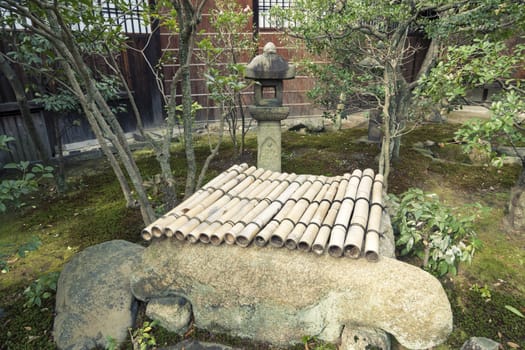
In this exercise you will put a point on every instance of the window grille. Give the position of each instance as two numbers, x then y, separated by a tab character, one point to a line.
261	13
130	18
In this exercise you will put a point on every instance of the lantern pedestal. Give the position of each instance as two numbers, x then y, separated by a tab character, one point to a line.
269	135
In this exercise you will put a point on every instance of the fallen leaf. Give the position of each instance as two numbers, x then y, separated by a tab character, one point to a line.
500	335
27	328
513	345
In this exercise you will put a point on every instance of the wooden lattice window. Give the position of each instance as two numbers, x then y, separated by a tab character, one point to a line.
130	18
262	18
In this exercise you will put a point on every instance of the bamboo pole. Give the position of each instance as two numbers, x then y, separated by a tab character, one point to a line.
207	201
246	208
354	239
201	230
296	212
278	211
254	207
187	228
298	230
315	222
323	236
266	211
337	237
374	229
157	228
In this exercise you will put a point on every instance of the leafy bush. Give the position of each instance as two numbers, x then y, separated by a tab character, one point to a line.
430	231
142	338
43	288
12	190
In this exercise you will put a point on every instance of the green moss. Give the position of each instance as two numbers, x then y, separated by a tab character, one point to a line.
33	330
482	317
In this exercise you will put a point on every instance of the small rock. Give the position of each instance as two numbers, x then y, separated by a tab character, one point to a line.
173	313
480	343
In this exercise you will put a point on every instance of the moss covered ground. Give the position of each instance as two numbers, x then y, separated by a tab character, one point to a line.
93	211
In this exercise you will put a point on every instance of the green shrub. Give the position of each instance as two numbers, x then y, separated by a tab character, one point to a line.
43	288
430	231
13	190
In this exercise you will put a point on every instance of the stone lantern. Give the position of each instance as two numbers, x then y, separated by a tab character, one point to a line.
269	70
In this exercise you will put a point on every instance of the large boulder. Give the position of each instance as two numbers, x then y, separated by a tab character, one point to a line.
277	295
94	300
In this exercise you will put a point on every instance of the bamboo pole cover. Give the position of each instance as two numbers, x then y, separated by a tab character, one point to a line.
245	205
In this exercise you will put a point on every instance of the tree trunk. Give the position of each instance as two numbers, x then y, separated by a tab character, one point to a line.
100	136
187	23
23	105
400	110
93	104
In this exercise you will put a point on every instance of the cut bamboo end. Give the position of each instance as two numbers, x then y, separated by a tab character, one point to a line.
354	241
276	241
318	249
180	235
290	244
260	241
229	238
352	251
146	235
372	256
204	238
243	241
156	232
168	232
335	251
216	241
303	246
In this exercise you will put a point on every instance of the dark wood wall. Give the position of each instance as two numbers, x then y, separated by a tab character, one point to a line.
73	127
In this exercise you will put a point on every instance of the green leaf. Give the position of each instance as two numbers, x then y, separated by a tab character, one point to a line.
11	166
442	268
514	311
